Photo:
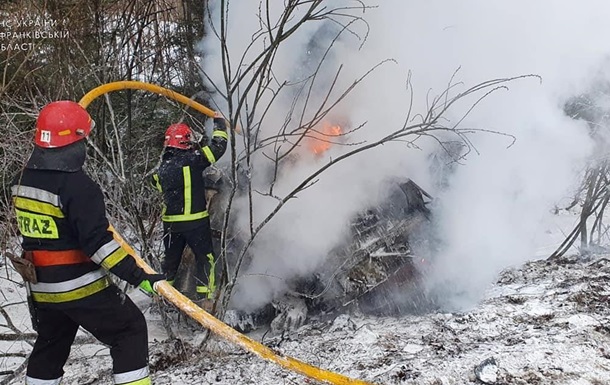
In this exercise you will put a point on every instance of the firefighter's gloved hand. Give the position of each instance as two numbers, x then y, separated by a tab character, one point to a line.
197	137
220	123
151	282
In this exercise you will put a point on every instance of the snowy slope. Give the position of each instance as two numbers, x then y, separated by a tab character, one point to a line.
547	322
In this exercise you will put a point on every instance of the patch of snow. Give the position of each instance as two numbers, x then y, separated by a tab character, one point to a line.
412	348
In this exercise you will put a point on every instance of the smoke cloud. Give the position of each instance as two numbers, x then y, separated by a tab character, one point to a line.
490	210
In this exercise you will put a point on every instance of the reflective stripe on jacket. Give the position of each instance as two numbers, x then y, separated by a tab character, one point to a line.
42	258
71	290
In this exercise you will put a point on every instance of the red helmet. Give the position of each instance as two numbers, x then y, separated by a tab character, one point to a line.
178	136
62	123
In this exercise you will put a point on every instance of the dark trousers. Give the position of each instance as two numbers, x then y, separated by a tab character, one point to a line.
112	318
199	240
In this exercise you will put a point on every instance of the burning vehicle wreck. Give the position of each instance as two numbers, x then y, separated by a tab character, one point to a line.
375	269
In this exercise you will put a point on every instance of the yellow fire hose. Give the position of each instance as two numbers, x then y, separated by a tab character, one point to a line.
135	85
186	305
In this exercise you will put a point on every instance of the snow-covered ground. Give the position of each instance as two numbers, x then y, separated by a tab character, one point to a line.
547	322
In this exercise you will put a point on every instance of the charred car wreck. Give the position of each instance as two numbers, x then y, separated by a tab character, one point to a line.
376	269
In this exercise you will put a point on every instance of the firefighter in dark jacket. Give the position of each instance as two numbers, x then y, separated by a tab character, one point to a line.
185	216
62	218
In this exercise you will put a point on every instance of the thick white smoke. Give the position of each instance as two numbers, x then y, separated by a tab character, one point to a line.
497	202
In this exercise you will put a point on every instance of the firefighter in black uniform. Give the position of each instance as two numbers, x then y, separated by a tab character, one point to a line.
185	216
62	217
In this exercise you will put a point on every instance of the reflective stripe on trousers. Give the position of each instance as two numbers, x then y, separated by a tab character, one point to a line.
36	381
211	287
134	377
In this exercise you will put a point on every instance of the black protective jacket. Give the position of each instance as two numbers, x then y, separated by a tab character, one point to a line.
59	211
180	179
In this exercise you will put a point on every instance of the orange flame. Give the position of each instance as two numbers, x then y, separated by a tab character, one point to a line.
321	139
